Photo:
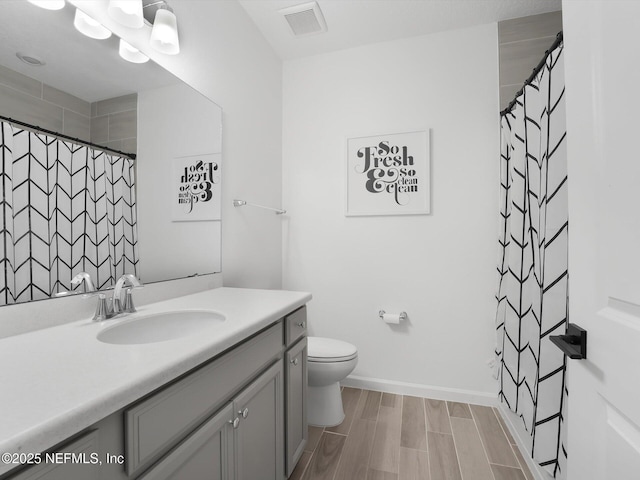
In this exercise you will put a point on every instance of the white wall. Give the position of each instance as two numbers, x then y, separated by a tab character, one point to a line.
439	268
226	58
174	121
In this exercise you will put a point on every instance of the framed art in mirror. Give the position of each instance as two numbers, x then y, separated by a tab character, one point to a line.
196	191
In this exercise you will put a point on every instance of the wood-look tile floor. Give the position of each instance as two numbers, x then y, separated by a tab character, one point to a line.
395	437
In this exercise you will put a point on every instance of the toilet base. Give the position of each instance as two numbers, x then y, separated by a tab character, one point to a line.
324	406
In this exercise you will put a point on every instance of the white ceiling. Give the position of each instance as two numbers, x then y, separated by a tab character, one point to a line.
92	70
359	22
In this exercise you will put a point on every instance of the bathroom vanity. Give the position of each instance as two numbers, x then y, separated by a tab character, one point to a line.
225	403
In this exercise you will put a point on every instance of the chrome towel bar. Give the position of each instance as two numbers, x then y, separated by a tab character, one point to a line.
241	203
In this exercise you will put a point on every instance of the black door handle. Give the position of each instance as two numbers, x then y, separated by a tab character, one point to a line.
573	343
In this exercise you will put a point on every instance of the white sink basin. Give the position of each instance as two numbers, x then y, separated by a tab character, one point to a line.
161	327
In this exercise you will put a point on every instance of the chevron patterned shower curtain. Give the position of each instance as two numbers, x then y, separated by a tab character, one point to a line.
65	208
532	264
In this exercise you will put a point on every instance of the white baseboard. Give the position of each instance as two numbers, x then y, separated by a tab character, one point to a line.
418	390
517	433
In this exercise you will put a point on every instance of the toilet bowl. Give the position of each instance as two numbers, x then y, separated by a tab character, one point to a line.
329	362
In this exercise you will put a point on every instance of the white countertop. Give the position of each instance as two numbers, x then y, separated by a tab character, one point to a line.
57	381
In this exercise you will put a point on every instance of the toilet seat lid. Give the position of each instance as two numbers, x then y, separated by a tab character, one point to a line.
329	349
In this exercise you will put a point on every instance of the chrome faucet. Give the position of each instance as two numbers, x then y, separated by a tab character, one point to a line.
106	310
86	278
118	306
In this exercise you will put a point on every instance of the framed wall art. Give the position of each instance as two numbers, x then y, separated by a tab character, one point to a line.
195	195
388	174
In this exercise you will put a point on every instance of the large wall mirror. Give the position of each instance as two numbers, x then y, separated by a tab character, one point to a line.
55	78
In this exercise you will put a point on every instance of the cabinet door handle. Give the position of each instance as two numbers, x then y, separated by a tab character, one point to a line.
294	362
244	413
300	324
235	422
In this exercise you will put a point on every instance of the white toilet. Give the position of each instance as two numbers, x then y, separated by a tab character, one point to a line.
329	362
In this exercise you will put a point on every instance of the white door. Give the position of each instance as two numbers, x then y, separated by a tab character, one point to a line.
602	65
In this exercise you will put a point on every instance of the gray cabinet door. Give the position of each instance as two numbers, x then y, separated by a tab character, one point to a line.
295	369
259	436
206	453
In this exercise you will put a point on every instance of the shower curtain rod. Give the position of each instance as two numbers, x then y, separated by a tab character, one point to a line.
132	156
535	72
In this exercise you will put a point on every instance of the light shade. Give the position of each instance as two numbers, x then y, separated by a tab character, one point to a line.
48	4
164	35
89	27
126	12
131	53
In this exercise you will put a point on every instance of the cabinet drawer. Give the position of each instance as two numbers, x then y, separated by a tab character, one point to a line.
295	325
156	424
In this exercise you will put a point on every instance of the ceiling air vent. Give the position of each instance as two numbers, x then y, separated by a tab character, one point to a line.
305	19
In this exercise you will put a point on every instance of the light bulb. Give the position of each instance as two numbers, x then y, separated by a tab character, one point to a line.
127	12
90	27
131	53
164	35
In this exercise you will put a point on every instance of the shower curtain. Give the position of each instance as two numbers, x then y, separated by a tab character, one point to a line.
532	264
65	208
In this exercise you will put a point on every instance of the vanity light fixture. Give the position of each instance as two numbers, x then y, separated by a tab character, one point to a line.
49	4
126	12
90	27
164	34
130	13
131	53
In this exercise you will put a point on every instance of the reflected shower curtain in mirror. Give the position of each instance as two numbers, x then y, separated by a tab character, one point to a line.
65	208
532	264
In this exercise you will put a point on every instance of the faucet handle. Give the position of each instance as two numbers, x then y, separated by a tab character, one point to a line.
103	312
129	307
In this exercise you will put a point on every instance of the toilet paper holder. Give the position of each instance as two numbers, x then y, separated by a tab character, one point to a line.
403	315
